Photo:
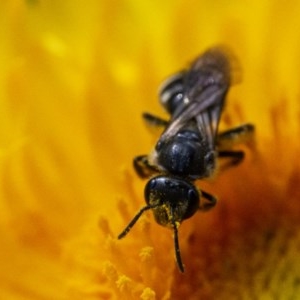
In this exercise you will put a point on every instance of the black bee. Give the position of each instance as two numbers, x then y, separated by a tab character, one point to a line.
190	144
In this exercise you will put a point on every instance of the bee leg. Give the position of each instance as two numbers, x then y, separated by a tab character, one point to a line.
154	121
235	157
210	203
238	135
142	166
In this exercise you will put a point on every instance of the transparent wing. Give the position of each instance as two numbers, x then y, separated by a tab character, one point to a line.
208	122
205	86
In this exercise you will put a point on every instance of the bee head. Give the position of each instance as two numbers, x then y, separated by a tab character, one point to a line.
175	199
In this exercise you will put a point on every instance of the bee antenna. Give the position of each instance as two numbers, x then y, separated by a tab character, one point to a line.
176	245
134	220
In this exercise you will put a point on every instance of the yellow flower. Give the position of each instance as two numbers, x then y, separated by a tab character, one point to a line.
75	77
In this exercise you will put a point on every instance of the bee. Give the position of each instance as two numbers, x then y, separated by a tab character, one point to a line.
190	144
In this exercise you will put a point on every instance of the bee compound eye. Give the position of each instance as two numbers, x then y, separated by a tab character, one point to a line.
193	195
152	184
151	190
192	198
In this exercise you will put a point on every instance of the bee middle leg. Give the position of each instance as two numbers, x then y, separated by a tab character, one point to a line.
234	136
142	167
226	140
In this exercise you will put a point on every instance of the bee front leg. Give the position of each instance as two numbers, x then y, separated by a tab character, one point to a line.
142	166
210	202
235	157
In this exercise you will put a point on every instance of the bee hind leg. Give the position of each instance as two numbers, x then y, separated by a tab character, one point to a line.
154	121
235	136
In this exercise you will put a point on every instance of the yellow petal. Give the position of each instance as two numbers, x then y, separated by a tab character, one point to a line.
74	79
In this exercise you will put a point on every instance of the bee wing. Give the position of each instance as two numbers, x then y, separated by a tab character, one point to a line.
205	88
206	110
208	122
